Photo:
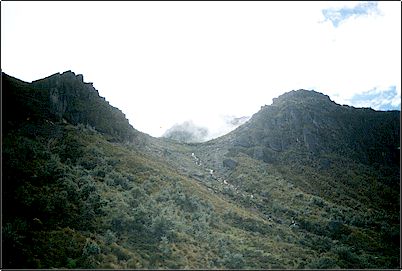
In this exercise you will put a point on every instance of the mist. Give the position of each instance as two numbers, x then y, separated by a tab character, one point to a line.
191	132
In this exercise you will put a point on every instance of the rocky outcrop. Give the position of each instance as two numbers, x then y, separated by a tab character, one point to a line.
229	163
66	91
75	101
309	123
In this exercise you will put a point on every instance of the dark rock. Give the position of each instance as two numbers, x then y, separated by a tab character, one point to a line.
229	163
198	175
269	156
275	144
78	102
305	124
310	140
307	96
243	141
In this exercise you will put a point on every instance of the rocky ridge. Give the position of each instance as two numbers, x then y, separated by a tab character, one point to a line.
79	102
305	183
309	122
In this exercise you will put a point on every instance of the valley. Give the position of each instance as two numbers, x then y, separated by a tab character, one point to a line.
304	183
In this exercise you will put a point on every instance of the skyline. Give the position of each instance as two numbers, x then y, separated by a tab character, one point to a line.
166	63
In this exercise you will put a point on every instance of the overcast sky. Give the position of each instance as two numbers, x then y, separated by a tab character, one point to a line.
163	63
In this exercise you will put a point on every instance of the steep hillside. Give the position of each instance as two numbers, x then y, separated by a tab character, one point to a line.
310	123
344	161
305	183
63	97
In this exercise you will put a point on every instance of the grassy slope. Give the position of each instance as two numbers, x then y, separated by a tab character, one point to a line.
72	198
92	203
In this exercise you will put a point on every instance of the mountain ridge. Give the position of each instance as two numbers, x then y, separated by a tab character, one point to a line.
66	96
304	183
310	121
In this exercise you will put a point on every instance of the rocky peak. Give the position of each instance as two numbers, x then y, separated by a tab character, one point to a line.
302	96
67	82
72	99
309	122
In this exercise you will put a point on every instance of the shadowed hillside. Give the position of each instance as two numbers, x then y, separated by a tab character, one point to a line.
305	183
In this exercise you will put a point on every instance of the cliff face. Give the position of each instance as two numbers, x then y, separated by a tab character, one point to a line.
67	97
339	152
309	122
66	92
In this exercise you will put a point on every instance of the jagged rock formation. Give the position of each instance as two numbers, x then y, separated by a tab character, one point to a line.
309	122
67	97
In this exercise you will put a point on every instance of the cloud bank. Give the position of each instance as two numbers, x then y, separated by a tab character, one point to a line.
190	132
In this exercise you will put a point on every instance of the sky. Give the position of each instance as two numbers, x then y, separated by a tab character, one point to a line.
164	63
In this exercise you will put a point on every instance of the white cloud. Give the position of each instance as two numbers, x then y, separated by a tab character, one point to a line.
379	99
340	14
163	63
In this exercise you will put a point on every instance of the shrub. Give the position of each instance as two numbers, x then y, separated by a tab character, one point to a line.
317	201
233	260
116	179
91	248
323	263
350	259
160	227
110	237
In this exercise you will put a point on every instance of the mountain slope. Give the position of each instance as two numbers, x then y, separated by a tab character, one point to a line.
304	129
312	123
86	190
64	97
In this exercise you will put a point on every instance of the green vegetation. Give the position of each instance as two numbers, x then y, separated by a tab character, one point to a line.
84	195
